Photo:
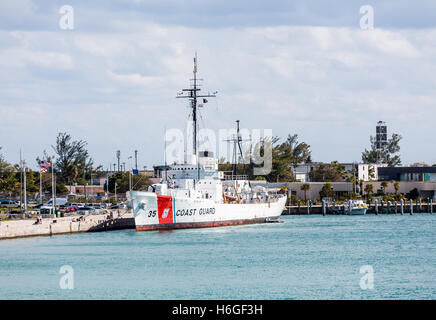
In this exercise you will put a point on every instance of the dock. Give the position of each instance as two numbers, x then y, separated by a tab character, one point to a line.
406	207
73	224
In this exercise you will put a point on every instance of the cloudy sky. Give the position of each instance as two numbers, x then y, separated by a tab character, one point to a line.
302	67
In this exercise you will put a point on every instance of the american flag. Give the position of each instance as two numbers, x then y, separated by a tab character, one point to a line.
43	170
45	164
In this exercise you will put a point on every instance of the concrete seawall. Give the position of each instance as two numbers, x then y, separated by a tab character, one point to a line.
73	224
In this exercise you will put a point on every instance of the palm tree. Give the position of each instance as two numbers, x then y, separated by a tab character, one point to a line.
396	186
369	188
350	179
305	187
384	185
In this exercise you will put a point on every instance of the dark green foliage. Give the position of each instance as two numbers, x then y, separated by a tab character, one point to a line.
139	182
389	155
333	172
327	191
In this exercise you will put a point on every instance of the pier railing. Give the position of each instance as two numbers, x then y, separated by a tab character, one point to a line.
235	177
395	207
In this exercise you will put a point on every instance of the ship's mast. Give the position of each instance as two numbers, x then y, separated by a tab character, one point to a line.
237	139
193	94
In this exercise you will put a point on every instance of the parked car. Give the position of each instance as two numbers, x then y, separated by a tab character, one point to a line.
38	206
85	210
59	202
71	208
7	203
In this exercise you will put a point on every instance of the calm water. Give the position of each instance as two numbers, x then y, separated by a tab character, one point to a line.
307	257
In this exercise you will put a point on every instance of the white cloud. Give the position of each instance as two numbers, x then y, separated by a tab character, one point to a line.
135	79
328	84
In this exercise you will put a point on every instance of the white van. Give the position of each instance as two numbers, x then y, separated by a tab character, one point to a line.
59	202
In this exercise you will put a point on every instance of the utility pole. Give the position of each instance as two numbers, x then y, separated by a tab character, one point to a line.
25	193
21	181
116	184
130	173
107	184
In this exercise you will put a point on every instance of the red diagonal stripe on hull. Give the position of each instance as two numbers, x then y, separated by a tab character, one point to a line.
165	209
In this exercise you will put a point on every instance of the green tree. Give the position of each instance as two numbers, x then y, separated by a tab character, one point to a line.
332	172
72	158
305	187
139	182
351	179
389	155
396	187
413	194
297	152
9	177
384	185
327	191
285	155
369	188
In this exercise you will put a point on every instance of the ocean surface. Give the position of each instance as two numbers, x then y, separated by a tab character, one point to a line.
306	257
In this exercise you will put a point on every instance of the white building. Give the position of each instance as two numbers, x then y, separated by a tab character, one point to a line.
364	171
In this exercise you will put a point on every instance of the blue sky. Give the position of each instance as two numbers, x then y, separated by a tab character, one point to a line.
300	67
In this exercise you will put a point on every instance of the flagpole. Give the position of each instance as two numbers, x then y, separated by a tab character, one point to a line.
130	174
53	189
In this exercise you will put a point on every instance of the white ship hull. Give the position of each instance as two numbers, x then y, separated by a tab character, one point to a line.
157	212
358	211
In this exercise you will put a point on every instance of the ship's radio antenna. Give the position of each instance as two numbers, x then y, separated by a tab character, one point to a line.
165	154
193	94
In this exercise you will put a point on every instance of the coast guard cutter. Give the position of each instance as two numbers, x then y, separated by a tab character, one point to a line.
195	194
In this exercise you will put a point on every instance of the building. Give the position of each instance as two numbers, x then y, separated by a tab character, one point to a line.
407	173
363	171
79	190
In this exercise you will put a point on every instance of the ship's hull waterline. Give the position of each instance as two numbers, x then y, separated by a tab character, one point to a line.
158	212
